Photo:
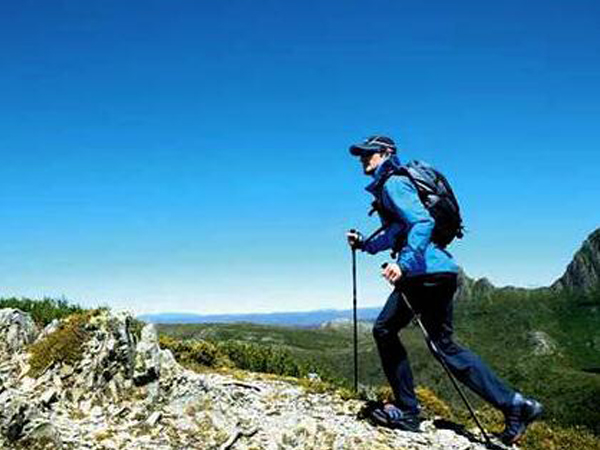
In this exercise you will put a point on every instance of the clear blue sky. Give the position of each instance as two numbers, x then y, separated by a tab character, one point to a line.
192	156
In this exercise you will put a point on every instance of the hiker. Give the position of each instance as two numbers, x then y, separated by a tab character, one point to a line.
426	274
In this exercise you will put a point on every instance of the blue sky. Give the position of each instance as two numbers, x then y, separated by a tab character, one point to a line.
192	156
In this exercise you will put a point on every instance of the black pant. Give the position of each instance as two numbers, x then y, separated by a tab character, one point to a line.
431	296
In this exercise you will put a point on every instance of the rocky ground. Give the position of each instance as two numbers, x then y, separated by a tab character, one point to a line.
125	392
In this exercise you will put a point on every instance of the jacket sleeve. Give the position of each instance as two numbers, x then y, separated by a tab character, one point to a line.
401	198
384	240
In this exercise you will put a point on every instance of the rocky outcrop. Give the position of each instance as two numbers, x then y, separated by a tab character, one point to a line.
583	273
67	400
126	392
542	343
470	289
16	329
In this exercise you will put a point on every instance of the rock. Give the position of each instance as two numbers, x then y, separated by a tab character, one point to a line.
482	288
471	289
542	343
147	357
168	364
16	329
583	272
48	397
66	371
42	432
312	376
154	418
16	413
49	329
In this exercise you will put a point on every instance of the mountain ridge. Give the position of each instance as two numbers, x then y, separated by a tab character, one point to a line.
582	273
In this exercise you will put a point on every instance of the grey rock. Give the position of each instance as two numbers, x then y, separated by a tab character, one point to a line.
49	329
44	432
66	371
147	357
542	343
17	329
16	414
473	289
48	397
153	418
583	272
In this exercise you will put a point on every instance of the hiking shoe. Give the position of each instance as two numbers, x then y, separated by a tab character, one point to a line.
517	418
393	417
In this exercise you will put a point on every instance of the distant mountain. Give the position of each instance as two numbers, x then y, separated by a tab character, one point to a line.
480	288
469	288
297	319
583	273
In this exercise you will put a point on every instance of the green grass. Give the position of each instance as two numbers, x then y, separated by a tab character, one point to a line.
499	330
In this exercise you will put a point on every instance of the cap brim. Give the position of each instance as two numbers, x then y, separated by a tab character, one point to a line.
359	150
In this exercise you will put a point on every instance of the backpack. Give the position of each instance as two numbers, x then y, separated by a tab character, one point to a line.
437	196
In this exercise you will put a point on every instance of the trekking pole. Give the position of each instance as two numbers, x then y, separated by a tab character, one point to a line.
355	320
438	355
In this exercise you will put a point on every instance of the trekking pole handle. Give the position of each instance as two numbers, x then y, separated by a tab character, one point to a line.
357	239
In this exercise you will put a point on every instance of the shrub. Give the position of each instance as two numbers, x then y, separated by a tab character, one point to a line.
542	436
195	352
384	394
245	356
42	311
260	358
432	403
65	345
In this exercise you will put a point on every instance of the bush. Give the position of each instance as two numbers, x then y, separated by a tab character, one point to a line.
431	403
195	352
245	356
65	345
541	436
260	358
42	311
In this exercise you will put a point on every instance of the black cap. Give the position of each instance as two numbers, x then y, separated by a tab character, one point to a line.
374	144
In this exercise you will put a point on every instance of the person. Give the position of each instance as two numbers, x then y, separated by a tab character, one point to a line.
427	276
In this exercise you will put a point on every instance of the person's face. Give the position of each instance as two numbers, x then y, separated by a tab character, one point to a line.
370	162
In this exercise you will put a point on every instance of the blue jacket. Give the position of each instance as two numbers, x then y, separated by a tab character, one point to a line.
409	222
